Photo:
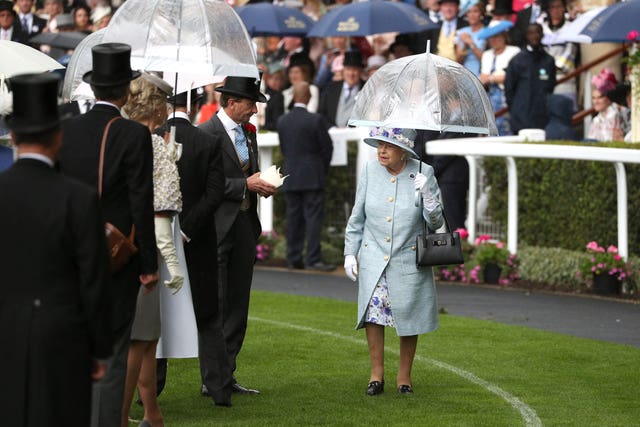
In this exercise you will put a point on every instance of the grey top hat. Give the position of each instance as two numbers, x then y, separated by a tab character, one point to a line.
403	138
111	65
243	87
35	103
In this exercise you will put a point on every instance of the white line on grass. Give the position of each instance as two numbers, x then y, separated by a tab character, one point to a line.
526	412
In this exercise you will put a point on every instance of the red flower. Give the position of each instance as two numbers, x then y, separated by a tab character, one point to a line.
248	127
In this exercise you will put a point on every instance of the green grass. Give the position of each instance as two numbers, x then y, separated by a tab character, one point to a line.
312	369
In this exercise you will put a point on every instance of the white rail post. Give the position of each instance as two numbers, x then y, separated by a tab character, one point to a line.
512	209
473	198
623	240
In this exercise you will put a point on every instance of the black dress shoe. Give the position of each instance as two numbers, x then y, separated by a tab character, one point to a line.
223	403
375	387
239	389
321	266
204	391
405	389
297	265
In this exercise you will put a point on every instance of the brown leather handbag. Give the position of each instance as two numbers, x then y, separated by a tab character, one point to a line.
121	248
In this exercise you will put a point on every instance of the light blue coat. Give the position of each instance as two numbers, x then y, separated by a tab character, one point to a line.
381	233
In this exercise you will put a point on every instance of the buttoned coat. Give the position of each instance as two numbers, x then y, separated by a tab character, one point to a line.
381	233
54	296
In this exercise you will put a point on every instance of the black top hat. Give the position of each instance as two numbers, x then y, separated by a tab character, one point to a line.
301	59
502	7
35	103
181	98
353	58
449	1
111	65
244	87
7	5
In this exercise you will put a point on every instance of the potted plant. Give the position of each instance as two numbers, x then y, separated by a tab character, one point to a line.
604	269
494	260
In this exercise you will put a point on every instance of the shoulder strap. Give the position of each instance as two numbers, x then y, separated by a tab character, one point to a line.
102	149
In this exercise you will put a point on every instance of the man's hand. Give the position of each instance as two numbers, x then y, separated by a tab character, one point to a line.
260	186
149	281
98	370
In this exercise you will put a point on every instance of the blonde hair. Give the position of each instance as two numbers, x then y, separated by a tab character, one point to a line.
146	102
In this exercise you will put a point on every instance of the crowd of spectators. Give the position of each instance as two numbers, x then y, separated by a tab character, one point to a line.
322	62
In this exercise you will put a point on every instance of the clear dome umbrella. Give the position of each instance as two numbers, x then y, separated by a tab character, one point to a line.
425	91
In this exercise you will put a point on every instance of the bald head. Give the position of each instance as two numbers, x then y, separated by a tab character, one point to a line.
301	93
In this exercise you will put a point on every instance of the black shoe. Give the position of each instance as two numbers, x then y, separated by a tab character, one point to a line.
321	266
224	403
239	389
204	391
297	265
405	389
375	387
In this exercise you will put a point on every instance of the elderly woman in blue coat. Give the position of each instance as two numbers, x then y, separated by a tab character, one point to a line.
380	251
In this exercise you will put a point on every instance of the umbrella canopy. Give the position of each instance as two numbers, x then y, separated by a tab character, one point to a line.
18	58
571	32
425	91
62	39
267	19
79	64
372	17
611	24
191	36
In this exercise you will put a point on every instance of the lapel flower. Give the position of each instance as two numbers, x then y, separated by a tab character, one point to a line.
249	128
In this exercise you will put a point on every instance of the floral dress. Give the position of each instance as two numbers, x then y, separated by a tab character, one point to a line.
379	309
605	122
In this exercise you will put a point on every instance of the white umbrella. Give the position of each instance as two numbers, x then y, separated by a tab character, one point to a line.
74	88
425	91
18	58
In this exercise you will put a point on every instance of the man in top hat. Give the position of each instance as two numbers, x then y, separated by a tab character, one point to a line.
202	184
9	28
339	97
442	38
237	224
29	23
126	200
55	315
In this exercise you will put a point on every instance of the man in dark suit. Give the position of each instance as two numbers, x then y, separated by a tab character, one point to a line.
126	200
202	184
9	28
55	305
339	97
29	24
442	36
237	223
307	148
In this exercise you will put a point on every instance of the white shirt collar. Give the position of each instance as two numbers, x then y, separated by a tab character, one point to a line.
179	115
36	156
227	122
108	103
300	104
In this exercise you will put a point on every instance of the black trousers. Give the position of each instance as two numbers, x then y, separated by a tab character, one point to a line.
305	212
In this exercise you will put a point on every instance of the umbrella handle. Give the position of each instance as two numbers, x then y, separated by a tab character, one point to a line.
417	198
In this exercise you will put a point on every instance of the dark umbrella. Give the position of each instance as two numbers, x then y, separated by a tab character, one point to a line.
372	17
614	23
267	19
61	40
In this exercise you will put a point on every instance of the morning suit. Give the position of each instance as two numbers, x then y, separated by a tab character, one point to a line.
202	187
54	302
307	148
238	229
419	44
127	200
381	233
26	32
330	100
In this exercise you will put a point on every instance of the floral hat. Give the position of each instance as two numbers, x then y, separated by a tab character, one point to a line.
605	81
403	138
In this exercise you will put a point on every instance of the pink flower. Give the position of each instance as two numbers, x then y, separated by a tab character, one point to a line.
617	257
600	265
632	36
499	245
463	233
592	246
612	249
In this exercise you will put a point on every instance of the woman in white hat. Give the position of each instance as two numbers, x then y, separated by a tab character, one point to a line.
380	251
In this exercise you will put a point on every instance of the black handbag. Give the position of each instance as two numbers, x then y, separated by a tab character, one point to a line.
437	248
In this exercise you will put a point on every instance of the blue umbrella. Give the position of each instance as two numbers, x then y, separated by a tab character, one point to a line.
494	28
372	17
614	23
267	19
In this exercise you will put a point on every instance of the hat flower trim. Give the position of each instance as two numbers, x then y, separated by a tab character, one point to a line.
395	133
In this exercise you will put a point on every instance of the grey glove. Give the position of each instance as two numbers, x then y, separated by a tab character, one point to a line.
164	242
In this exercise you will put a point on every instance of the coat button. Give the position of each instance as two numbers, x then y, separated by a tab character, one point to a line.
391	199
386	258
388	219
388	239
393	179
413	248
37	303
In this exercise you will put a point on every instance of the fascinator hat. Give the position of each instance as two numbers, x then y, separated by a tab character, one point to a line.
605	81
403	138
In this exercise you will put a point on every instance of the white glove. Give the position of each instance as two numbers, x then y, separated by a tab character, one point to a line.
420	184
351	267
164	242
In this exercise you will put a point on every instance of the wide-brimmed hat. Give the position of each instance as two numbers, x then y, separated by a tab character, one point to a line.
353	58
243	87
494	28
181	98
403	138
605	81
35	103
111	65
